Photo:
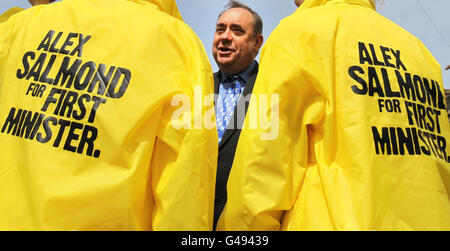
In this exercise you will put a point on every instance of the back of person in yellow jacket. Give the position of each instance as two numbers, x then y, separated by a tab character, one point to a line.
362	138
88	136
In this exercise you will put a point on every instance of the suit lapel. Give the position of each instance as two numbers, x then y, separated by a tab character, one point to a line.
216	82
238	121
216	86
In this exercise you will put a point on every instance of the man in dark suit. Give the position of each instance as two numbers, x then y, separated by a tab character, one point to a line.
237	41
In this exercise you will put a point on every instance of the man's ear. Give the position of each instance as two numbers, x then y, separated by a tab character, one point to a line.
259	42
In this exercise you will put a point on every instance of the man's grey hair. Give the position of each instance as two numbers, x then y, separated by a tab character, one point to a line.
257	20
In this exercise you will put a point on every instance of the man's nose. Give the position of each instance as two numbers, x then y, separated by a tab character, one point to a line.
226	36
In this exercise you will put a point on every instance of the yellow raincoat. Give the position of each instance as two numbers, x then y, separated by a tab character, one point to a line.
7	14
359	137
89	140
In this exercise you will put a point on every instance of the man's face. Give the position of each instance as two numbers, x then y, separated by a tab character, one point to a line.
235	47
299	2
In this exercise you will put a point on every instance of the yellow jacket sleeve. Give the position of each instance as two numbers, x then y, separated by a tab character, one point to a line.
184	155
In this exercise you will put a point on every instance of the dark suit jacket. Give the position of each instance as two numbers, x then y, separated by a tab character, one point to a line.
227	146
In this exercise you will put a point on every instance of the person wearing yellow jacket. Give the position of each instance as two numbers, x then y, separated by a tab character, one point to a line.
96	126
361	139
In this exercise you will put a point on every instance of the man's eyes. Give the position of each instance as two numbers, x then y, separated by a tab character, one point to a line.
238	31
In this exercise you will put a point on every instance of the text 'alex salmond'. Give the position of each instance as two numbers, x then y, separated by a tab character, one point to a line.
72	91
406	97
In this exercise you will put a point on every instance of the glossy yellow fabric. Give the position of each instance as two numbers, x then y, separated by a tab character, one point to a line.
7	14
86	107
356	150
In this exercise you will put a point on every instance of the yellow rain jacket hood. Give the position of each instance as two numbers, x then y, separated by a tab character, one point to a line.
7	14
352	130
96	126
316	3
167	6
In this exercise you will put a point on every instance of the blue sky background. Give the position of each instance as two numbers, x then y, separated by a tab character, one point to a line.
426	19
